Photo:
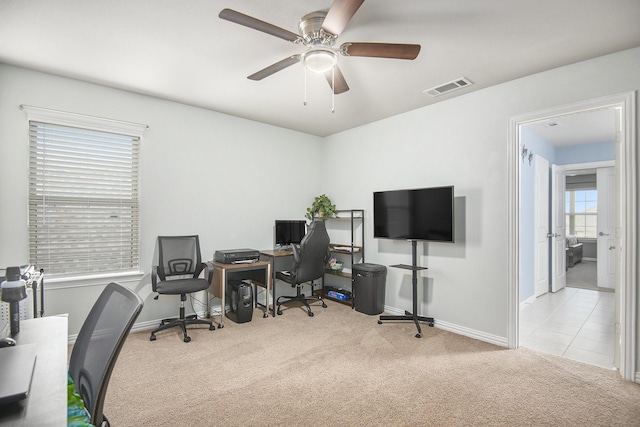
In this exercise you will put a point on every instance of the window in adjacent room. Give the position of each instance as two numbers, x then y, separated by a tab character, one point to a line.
83	199
581	212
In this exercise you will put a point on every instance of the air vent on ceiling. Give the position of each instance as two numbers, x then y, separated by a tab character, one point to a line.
448	87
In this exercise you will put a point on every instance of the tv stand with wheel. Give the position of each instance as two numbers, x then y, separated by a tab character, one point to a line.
408	316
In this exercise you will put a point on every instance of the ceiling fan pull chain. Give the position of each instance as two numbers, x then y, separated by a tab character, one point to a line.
305	87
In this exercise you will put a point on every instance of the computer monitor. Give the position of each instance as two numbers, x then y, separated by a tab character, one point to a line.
289	232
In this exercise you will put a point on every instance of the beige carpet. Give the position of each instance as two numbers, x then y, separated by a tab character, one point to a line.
340	368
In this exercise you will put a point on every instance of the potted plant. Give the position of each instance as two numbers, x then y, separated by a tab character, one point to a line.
321	207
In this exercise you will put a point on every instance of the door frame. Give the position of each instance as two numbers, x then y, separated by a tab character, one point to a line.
626	318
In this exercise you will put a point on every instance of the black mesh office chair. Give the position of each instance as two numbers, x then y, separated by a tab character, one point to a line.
309	260
98	344
179	267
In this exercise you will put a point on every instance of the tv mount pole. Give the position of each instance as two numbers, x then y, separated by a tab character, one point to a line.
411	316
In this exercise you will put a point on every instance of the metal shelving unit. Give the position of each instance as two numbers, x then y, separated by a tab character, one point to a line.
354	249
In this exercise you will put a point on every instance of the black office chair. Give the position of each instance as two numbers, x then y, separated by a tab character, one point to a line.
179	267
98	345
309	260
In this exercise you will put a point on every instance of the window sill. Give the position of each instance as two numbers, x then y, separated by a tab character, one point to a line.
62	282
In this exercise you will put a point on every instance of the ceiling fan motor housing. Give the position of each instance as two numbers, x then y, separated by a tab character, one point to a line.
310	28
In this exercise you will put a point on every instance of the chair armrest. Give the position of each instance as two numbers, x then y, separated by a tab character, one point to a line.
208	272
296	253
286	276
154	278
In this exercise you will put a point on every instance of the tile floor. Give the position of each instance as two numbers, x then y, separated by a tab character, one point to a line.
574	323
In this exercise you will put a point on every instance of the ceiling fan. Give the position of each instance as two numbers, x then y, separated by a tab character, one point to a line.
318	34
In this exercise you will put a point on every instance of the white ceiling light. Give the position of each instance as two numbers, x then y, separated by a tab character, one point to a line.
319	60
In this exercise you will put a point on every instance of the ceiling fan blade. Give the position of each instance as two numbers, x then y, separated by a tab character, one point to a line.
256	24
341	85
381	50
339	15
274	68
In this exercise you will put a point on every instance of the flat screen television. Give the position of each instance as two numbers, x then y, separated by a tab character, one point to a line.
289	232
414	214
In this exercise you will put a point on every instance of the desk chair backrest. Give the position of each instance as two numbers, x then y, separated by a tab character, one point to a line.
312	254
179	256
98	344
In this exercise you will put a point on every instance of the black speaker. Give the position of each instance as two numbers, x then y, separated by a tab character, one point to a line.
240	297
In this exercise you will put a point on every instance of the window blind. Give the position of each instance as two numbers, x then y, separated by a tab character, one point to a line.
83	200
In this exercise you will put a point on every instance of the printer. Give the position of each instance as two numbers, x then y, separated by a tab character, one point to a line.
236	256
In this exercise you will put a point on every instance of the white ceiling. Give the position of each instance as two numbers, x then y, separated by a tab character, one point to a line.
180	50
586	127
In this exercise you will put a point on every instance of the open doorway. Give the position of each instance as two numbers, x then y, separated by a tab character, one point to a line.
624	237
574	315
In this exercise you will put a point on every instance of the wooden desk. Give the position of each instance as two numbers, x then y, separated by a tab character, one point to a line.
280	260
46	403
258	272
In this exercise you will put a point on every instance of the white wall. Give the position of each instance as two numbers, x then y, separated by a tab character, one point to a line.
224	178
462	141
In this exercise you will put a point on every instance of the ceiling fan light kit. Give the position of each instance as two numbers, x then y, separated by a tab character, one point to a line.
318	32
319	60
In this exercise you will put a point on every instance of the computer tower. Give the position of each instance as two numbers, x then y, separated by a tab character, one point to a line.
240	298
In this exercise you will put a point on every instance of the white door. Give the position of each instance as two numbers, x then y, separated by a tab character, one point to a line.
558	251
541	240
606	252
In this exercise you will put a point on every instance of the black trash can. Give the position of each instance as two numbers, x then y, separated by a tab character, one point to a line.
369	281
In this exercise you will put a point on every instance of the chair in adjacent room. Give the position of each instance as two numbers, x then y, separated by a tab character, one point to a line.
309	258
178	273
98	345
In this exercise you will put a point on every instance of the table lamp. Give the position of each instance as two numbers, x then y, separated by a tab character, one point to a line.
14	290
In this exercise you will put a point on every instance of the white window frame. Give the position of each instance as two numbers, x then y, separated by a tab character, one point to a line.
572	214
134	130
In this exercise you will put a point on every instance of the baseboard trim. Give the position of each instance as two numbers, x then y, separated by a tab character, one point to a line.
460	330
529	300
472	333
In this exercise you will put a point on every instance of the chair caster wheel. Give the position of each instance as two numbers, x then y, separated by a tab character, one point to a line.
220	326
418	336
187	339
379	322
310	314
324	305
212	328
265	315
152	338
431	325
